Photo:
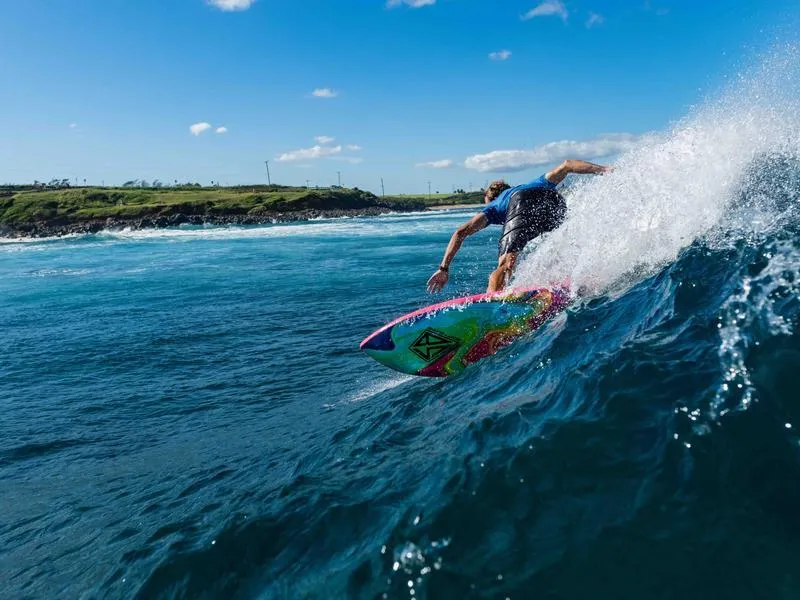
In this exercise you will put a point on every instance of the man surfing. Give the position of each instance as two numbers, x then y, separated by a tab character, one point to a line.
525	212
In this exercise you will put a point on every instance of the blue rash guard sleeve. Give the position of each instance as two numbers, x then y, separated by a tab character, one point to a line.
493	213
539	182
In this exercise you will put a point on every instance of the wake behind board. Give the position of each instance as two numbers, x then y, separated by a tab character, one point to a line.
443	339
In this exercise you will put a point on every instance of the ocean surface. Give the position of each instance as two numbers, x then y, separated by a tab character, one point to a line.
186	413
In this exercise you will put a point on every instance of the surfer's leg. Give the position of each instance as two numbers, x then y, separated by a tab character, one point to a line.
502	274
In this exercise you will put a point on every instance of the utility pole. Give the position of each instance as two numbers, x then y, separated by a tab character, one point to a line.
307	182
339	173
269	181
383	191
429	189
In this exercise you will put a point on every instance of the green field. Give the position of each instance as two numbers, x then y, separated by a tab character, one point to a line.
83	204
442	199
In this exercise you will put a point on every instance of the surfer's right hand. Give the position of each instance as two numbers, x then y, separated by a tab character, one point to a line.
437	281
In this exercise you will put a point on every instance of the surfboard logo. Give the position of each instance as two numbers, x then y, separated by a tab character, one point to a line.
432	345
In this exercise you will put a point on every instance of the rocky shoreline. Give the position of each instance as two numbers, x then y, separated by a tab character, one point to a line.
58	228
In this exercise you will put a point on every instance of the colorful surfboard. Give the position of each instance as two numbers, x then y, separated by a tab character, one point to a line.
443	339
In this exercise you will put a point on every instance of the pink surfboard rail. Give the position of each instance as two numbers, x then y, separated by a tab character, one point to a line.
455	302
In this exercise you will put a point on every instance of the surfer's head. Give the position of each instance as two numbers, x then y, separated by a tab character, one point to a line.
494	190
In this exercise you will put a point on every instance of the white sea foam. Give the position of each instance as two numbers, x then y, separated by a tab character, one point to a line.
376	387
676	187
750	315
383	226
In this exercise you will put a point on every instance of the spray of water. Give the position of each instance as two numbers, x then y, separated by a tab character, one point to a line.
678	186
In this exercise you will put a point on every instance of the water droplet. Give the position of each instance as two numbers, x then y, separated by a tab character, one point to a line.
675	436
383	549
687	444
395	566
499	578
410	583
213	542
416	520
788	425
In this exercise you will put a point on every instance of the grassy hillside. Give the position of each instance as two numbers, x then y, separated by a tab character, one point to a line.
440	199
75	205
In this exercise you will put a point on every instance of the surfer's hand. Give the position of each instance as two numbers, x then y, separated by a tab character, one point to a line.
437	281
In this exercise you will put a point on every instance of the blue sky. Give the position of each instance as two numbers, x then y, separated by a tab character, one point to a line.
452	91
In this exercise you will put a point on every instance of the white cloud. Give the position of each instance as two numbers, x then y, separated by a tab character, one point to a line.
222	130
660	12
231	5
549	8
411	3
324	93
310	153
323	139
199	128
353	160
594	19
354	147
73	125
437	164
506	161
501	55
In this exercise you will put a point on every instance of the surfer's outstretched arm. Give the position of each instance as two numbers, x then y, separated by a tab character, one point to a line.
580	167
475	224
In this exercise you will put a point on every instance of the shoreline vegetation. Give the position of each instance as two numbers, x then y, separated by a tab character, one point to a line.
41	211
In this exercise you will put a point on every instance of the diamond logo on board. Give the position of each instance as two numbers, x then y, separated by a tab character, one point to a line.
432	345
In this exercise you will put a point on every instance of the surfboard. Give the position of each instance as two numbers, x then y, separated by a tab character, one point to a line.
443	339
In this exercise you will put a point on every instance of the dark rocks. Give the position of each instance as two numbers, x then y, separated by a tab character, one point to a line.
61	228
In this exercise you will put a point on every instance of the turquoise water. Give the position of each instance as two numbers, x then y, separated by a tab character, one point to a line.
159	386
186	413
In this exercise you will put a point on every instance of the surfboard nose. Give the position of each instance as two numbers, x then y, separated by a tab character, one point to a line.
380	340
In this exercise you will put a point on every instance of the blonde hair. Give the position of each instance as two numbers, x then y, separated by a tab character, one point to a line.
495	189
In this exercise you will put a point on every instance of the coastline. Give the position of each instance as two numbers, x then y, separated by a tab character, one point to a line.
453	206
27	212
44	229
36	212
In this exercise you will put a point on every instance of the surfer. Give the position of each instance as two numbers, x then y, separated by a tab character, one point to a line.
525	212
